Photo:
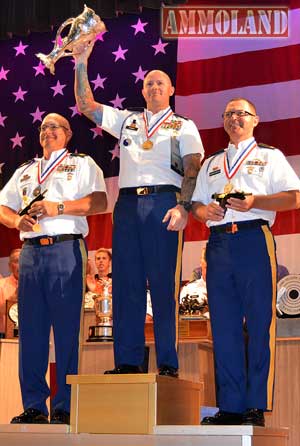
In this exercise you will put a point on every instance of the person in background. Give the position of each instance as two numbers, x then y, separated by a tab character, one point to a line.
241	261
195	290
160	154
52	262
9	286
103	266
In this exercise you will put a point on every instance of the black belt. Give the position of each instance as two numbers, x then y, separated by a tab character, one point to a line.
231	228
146	190
46	240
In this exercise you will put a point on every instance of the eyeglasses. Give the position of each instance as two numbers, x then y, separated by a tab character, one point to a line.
51	127
238	113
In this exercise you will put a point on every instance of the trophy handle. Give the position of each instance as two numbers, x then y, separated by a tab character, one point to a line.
60	29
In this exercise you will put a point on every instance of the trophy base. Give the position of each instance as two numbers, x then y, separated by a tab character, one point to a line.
100	333
16	333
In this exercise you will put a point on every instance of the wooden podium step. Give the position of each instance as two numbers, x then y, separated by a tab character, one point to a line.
162	436
132	404
223	435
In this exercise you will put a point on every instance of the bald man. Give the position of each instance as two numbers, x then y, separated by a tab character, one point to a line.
52	262
160	154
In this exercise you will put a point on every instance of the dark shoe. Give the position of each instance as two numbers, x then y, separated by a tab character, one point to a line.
30	416
166	370
60	417
254	417
223	418
124	369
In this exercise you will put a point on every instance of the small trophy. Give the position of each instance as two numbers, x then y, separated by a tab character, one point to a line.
102	332
84	29
13	315
224	197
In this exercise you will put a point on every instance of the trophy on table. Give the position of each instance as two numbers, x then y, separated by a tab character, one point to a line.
84	29
102	331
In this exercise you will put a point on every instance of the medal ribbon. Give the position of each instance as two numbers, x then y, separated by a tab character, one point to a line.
151	130
42	176
230	172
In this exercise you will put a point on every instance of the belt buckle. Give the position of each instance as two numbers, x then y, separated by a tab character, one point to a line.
45	241
142	191
231	228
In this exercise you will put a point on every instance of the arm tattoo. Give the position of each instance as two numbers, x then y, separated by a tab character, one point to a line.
84	96
191	165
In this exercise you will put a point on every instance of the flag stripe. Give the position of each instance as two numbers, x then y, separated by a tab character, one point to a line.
283	134
205	109
240	71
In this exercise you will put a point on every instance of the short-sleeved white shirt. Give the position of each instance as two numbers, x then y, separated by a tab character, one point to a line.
140	167
75	177
265	171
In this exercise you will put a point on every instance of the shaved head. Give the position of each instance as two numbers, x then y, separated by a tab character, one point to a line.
159	72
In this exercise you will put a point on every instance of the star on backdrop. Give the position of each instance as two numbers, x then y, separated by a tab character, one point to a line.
17	140
3	74
19	94
139	27
20	49
37	115
120	53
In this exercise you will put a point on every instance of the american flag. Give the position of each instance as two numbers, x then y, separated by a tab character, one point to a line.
212	71
206	73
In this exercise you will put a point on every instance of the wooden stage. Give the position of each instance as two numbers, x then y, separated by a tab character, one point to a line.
164	436
196	365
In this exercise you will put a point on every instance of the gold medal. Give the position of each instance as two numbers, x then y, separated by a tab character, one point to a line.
37	191
147	145
228	188
36	227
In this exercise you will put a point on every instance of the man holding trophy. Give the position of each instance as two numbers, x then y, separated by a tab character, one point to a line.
150	213
47	200
249	182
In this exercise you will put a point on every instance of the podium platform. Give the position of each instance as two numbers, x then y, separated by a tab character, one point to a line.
51	435
132	404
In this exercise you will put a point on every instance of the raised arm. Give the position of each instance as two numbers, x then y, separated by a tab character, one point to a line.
84	96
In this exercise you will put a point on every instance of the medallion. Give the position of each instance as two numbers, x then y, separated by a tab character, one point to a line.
37	191
36	227
147	145
228	188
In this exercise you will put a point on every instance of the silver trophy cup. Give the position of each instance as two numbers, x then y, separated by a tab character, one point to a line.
102	332
83	30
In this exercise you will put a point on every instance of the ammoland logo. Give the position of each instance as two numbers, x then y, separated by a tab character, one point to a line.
213	21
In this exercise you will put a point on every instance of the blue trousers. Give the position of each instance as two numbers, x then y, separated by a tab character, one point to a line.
143	250
241	286
51	286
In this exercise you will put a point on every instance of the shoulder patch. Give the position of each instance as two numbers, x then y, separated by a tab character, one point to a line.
216	153
180	116
265	146
26	163
81	155
135	109
212	156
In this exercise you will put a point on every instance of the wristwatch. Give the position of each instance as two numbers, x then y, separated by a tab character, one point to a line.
60	208
187	205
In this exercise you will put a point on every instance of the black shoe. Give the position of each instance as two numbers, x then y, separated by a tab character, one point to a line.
223	418
166	370
124	369
60	417
254	417
30	416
